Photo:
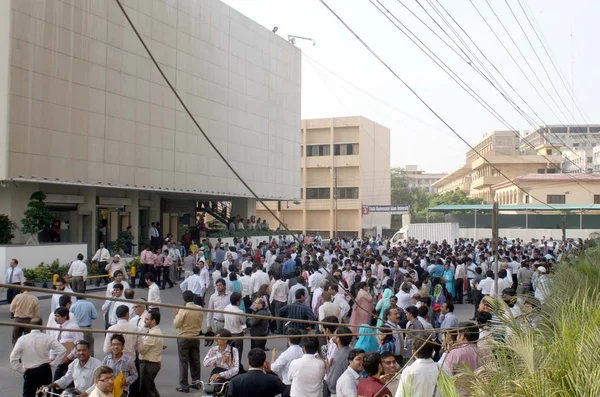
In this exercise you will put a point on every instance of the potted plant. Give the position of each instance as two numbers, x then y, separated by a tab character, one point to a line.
43	275
37	218
6	229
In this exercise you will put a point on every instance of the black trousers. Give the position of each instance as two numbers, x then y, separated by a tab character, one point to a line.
20	331
103	272
166	277
35	378
458	286
275	308
258	343
189	359
141	272
157	274
11	293
148	372
61	371
239	345
134	388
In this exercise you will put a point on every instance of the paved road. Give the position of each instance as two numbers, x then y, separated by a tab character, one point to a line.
168	377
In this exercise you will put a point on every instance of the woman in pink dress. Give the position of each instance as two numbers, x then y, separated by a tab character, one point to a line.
361	315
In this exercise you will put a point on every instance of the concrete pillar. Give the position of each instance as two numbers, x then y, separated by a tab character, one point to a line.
134	215
244	207
89	209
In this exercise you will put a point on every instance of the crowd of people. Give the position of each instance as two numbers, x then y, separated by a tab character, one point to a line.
379	307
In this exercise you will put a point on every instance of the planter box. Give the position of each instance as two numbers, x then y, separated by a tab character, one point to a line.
30	256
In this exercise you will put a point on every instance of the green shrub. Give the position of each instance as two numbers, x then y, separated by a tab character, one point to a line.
6	229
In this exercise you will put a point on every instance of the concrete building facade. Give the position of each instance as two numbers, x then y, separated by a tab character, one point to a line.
352	153
550	189
86	117
502	149
421	179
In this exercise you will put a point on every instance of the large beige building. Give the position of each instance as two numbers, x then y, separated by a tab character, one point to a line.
550	189
86	117
502	149
352	153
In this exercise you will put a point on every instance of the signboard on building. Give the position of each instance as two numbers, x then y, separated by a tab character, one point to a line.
385	209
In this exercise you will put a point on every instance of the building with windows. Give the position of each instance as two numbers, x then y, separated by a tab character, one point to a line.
596	159
421	179
502	149
86	117
577	161
345	164
550	188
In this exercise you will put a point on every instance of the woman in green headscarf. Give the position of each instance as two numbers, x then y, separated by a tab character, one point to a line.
438	295
383	304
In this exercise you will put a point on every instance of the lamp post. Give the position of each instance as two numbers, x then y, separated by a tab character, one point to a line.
335	198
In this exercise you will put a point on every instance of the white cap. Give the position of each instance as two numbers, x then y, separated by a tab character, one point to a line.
541	269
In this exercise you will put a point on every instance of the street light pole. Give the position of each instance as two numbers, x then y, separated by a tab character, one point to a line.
335	199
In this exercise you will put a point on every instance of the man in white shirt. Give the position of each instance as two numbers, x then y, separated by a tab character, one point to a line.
133	343
235	323
348	274
419	379
14	275
61	285
30	356
109	308
218	301
307	373
102	256
340	300
460	273
245	281
258	279
328	308
293	352
78	270
247	263
196	285
347	383
278	298
503	283
486	285
80	372
315	279
153	290
138	317
118	280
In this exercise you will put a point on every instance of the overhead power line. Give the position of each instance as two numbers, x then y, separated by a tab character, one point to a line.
423	47
439	117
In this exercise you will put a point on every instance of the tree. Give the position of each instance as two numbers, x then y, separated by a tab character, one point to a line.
420	201
37	217
6	229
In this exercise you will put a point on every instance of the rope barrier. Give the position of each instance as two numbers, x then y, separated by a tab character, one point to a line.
201	309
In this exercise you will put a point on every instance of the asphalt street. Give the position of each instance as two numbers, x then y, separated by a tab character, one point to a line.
168	376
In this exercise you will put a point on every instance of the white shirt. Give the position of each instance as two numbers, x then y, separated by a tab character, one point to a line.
340	300
502	285
133	343
55	298
33	350
486	285
110	286
234	323
315	280
83	377
246	264
102	255
70	332
215	276
194	284
138	321
419	379
17	277
404	299
315	299
78	269
153	294
282	364
111	308
205	277
245	281
257	280
330	309
347	383
306	374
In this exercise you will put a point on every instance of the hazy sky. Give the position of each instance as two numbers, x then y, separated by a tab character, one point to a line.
340	77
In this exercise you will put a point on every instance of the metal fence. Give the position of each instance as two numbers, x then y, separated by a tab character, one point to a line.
522	221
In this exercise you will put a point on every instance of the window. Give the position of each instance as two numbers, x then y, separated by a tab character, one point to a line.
556	199
316	193
317	150
347	193
301	193
576	145
551	171
549	151
541	170
345	149
596	198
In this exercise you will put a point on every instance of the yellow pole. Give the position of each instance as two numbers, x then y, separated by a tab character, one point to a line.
54	278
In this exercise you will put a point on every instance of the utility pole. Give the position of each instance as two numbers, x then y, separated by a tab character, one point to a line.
335	202
564	228
495	243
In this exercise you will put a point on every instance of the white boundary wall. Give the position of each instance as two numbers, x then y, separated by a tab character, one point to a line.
30	256
526	234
